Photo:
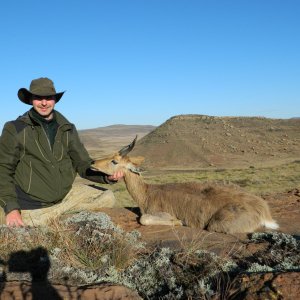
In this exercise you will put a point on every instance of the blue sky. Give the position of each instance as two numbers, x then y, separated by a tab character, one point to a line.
144	61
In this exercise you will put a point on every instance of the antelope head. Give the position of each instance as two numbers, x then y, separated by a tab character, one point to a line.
119	161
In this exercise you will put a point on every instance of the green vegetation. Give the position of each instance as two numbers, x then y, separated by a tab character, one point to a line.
256	180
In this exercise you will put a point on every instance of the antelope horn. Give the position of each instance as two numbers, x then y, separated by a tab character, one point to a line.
125	150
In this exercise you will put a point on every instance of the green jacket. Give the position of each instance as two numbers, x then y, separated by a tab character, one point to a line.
30	165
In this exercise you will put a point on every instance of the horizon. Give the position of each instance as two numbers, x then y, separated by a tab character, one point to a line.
143	62
183	115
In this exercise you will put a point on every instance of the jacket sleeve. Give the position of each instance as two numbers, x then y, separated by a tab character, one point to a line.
81	160
9	157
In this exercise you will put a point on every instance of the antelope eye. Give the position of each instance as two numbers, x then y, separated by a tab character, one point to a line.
114	162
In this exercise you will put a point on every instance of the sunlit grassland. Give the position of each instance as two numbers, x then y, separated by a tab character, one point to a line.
260	181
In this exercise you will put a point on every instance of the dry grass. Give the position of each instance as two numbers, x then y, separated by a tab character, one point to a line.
93	243
24	239
256	180
77	242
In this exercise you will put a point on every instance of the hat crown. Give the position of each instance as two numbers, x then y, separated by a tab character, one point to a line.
42	87
39	87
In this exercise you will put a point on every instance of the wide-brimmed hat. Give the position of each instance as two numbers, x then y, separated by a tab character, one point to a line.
39	87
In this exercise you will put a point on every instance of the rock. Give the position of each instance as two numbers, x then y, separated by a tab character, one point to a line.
46	291
270	286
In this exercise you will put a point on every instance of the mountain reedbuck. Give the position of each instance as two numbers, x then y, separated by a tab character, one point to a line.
210	206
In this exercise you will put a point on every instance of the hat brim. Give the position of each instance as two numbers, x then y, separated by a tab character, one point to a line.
26	96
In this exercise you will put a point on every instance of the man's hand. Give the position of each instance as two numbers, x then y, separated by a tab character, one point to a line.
14	219
116	176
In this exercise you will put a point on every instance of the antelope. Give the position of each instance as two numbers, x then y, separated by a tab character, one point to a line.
210	206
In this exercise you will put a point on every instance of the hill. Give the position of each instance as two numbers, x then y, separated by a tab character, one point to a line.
200	141
103	140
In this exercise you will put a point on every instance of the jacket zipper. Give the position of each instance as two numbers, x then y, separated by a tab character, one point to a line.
62	146
47	138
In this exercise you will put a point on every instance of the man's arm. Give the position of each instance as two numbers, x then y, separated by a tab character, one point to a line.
82	162
9	157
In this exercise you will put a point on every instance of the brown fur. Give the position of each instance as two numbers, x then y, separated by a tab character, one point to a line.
211	206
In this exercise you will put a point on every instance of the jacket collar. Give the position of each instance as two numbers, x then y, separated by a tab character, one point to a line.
39	119
29	119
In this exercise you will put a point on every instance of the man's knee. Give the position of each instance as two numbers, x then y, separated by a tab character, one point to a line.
2	216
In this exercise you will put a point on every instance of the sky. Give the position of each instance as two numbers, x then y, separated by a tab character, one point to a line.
140	62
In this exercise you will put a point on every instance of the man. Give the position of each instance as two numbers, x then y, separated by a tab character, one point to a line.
40	155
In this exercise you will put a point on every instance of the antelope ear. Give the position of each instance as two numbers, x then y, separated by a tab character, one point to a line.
137	160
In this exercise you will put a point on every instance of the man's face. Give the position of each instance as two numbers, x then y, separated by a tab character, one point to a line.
44	105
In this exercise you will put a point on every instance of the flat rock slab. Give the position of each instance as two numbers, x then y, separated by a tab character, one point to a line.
46	291
285	208
174	237
270	286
